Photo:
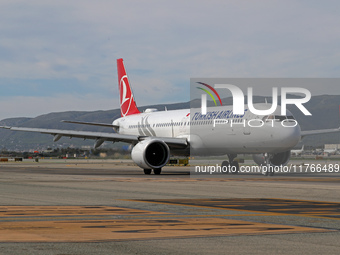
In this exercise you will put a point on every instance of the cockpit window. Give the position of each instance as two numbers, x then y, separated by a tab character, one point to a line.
280	117
268	117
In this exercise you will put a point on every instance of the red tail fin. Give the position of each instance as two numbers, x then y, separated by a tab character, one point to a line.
127	103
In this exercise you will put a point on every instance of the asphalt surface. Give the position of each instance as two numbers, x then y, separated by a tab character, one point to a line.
111	207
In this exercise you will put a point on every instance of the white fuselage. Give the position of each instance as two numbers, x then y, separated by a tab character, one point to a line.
330	151
219	132
297	152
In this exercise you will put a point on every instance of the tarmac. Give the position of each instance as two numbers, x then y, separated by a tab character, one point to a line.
111	207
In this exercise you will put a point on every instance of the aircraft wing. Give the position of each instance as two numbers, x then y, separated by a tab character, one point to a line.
91	123
320	131
172	142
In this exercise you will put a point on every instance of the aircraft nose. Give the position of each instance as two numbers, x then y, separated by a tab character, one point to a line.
290	135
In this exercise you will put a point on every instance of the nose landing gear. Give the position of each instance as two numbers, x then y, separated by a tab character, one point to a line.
269	171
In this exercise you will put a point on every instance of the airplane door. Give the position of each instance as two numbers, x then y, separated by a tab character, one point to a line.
184	127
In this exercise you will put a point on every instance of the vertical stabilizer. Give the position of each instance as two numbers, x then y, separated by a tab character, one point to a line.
127	103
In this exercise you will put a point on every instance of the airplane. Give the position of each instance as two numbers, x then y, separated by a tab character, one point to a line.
330	151
298	152
155	135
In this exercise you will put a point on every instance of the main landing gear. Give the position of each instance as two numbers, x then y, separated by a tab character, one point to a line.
232	167
155	171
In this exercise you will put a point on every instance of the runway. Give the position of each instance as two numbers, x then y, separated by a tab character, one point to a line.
111	207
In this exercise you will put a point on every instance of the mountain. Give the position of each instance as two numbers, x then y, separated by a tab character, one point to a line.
324	108
22	141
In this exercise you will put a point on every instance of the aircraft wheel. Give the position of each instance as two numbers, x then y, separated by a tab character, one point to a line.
225	166
157	170
147	171
234	167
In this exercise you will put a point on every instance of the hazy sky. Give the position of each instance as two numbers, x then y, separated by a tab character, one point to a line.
61	55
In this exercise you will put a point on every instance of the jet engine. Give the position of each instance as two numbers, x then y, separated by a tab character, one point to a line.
150	154
276	159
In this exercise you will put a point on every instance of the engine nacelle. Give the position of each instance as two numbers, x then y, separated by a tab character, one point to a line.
276	159
150	154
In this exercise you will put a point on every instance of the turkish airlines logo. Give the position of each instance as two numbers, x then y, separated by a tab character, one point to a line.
125	95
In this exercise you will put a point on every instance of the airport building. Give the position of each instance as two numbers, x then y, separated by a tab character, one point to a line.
332	146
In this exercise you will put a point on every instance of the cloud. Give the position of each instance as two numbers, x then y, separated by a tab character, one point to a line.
163	43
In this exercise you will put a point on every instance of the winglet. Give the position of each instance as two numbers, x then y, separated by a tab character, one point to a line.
127	103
